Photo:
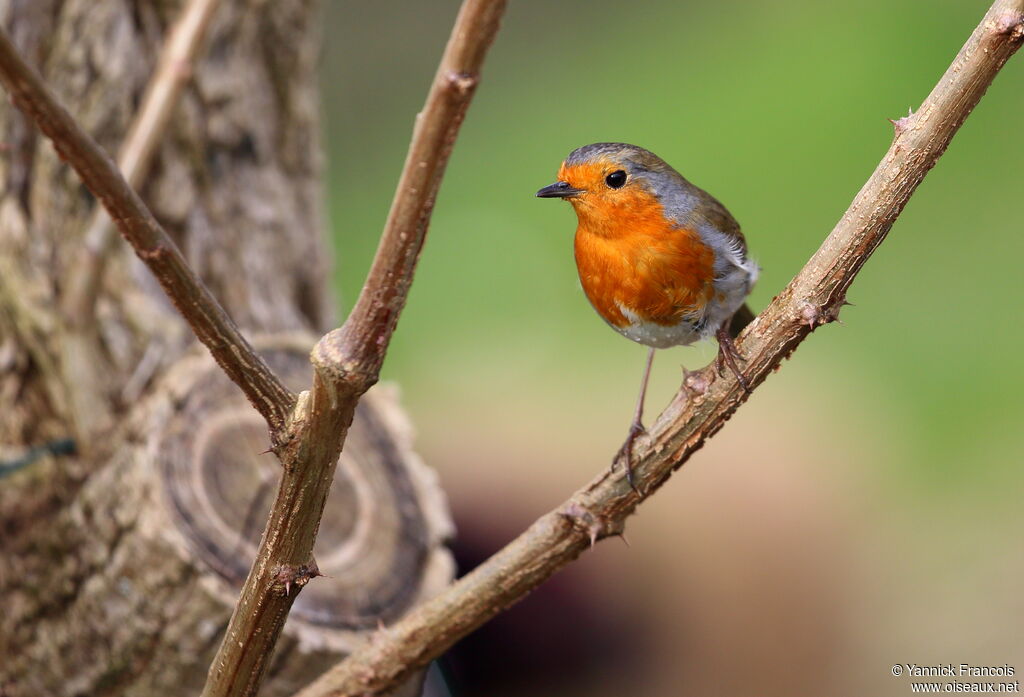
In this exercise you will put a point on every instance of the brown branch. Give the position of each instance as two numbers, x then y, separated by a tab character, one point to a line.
352	355
706	402
347	362
80	346
208	320
173	72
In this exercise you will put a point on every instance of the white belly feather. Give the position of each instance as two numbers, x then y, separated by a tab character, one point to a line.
656	335
736	274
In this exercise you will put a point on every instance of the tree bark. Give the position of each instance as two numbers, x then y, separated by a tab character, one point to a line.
119	566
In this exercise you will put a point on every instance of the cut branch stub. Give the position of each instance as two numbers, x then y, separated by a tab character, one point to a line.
376	542
163	538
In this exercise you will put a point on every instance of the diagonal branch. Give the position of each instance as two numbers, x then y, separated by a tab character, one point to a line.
353	354
347	362
813	298
173	72
80	342
208	320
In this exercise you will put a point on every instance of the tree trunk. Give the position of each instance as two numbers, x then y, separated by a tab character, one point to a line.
119	566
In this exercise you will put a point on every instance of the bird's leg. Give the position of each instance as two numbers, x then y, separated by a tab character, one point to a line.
729	355
637	427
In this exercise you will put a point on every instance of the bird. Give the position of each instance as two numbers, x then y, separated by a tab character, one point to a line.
660	260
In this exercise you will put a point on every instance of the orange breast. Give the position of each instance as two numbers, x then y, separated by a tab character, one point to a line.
632	258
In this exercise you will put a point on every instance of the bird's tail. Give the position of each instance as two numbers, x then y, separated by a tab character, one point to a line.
741	319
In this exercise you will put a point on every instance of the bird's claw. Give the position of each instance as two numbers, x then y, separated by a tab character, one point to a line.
625	453
729	355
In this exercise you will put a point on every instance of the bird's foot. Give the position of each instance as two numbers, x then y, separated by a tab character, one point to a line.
625	453
729	355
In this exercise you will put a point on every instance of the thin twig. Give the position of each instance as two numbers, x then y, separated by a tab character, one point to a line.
813	298
208	320
173	72
353	354
347	362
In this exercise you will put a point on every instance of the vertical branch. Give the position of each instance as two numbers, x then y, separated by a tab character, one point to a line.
355	352
347	362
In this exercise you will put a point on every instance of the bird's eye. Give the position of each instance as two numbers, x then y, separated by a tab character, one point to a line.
616	179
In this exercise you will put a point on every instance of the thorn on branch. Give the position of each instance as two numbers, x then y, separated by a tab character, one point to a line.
287	576
297	422
462	82
596	527
810	315
813	316
900	125
831	313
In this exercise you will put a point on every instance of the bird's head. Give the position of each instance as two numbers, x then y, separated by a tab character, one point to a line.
611	184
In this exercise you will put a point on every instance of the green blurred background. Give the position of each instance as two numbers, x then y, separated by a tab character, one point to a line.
864	508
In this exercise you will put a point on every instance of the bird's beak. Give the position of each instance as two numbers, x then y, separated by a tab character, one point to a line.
559	190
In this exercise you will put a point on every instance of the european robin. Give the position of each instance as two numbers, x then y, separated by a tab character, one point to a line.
662	261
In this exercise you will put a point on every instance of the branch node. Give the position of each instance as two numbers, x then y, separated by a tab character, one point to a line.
463	83
1012	25
297	422
338	370
902	124
831	313
695	382
811	315
286	575
155	255
597	527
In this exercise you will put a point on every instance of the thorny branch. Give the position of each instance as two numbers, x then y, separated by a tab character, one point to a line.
814	297
347	362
